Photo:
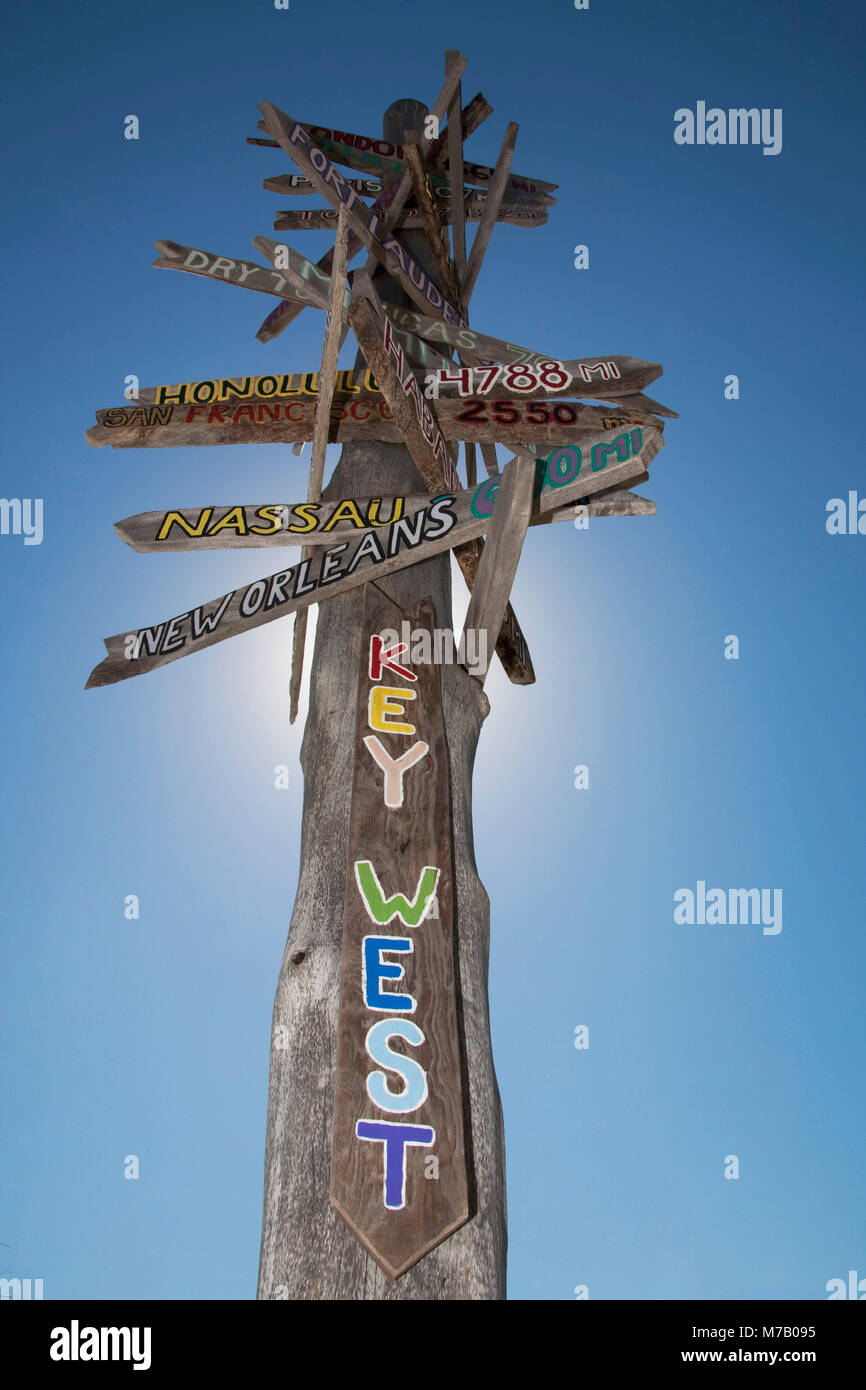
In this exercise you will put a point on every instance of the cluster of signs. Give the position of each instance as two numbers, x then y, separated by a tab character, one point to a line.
382	535
399	1168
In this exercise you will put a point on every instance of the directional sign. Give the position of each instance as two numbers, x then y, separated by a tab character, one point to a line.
364	222
276	421
279	386
252	525
416	421
297	186
570	474
383	156
300	279
473	198
324	219
399	1166
548	379
622	374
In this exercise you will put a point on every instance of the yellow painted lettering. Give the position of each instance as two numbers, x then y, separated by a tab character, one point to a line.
384	701
307	512
271	514
178	519
345	511
234	520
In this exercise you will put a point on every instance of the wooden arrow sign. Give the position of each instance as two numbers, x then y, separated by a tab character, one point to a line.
445	378
398	1165
283	386
324	219
473	198
299	280
254	525
447	520
274	421
297	186
619	374
384	157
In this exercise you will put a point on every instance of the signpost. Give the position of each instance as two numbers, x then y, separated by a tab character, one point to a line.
384	1174
398	1165
258	420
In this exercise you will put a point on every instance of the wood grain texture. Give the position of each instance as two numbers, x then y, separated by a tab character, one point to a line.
638	401
308	1252
471	465
430	219
364	158
473	115
415	282
498	564
253	525
488	216
255	421
248	275
334	326
424	362
301	273
454	146
625	375
388	205
427	448
616	501
491	463
323	219
296	186
400	842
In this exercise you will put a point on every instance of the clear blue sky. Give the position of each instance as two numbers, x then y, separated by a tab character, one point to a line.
150	1037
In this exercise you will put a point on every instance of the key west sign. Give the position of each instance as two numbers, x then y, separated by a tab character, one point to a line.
398	1165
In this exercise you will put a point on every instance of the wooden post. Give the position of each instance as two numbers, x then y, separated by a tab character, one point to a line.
327	376
308	1251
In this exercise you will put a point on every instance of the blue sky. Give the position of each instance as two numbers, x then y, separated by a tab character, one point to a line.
150	1037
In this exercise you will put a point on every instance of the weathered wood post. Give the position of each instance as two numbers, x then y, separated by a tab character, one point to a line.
384	1169
308	1251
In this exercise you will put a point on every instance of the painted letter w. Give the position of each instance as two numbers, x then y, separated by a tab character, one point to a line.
384	910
